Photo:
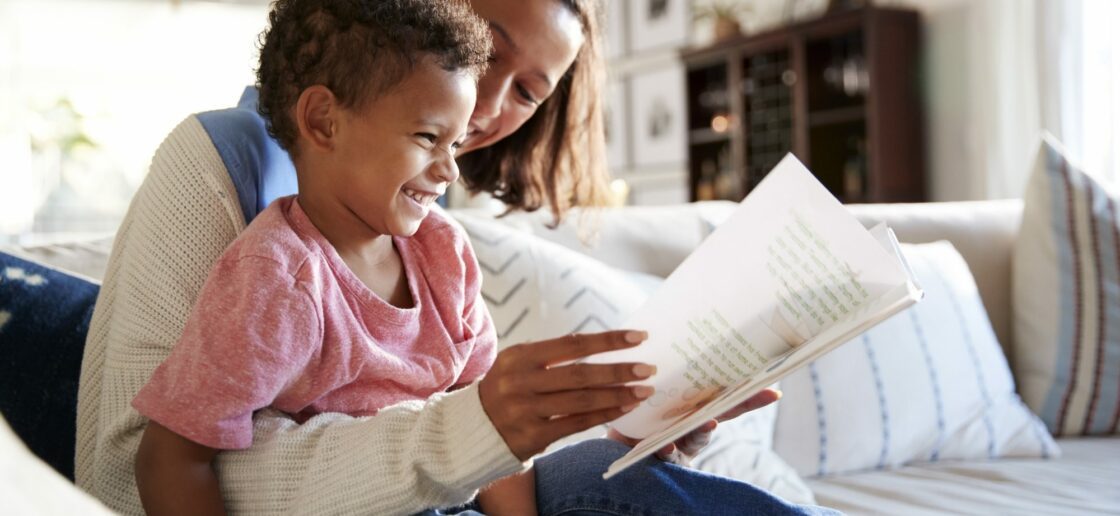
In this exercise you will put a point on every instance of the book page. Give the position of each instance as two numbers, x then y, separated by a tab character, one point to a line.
787	265
856	323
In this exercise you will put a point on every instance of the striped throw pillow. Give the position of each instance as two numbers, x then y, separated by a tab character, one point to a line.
927	385
1066	297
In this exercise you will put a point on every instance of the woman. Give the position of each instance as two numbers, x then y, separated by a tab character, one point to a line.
535	141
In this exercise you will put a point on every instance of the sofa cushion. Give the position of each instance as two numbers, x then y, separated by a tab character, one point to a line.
928	384
44	318
742	449
1081	481
1066	292
28	486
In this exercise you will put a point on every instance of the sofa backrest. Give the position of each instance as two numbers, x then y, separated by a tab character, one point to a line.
983	231
655	239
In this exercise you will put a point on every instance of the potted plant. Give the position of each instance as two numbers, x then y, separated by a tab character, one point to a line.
724	15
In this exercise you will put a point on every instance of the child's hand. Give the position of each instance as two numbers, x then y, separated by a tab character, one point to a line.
532	401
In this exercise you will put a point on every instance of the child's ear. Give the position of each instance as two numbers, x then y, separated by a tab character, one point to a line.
315	114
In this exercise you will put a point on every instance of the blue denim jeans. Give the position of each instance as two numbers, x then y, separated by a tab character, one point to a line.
570	483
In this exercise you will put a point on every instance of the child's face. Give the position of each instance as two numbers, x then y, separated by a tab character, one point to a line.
395	156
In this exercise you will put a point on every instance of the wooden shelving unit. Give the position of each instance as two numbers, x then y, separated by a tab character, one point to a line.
840	92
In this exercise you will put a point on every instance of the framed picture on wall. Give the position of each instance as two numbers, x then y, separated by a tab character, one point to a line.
618	144
616	29
657	117
657	24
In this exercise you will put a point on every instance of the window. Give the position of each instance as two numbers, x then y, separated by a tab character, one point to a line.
88	90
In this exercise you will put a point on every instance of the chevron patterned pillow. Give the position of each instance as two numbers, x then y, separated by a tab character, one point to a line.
538	290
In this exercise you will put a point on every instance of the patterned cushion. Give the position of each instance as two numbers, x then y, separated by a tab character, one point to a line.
44	317
536	289
929	384
1066	298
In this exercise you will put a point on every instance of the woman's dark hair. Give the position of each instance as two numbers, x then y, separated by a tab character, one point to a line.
359	49
557	157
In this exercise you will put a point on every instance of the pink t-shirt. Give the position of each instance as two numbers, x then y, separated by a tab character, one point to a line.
282	322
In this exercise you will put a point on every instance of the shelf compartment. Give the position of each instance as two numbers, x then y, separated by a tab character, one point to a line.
842	115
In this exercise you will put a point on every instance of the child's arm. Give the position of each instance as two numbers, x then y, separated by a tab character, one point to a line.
175	475
513	495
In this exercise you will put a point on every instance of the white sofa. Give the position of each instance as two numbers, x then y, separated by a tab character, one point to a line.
1084	480
653	240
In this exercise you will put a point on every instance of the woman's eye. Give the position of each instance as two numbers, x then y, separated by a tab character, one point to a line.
431	138
528	97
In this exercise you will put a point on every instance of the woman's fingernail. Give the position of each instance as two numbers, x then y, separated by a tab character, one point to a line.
779	394
635	337
643	391
628	408
644	370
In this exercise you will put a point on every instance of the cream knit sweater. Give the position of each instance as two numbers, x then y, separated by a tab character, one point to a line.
407	458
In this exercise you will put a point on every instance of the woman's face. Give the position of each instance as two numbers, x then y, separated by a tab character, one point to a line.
535	41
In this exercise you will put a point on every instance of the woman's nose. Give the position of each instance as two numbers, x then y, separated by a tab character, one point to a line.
492	89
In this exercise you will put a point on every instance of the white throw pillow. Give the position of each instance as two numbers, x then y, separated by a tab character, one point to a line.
928	384
29	486
741	449
536	289
1066	298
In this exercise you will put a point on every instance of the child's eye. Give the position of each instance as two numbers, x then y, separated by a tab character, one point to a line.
429	137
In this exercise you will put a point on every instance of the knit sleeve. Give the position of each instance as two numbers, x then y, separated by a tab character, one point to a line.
406	458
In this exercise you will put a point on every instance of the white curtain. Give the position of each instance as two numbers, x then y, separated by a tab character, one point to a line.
1096	121
1001	72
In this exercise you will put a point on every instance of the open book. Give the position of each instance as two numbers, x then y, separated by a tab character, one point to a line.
788	277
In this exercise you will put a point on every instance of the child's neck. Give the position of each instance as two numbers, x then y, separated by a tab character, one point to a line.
372	257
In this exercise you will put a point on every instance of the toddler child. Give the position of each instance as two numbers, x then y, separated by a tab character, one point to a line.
353	295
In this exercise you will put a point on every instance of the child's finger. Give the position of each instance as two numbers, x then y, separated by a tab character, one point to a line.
696	440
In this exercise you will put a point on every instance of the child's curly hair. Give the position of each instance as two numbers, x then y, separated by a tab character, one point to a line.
359	49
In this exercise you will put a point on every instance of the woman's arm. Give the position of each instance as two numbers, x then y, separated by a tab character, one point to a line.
175	476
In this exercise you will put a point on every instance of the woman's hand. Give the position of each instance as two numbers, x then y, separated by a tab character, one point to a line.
684	449
534	398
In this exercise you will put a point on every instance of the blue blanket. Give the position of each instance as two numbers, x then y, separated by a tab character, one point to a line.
44	318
